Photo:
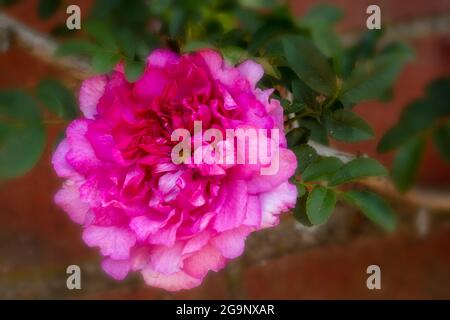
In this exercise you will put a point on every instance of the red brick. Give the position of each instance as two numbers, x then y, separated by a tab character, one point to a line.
411	268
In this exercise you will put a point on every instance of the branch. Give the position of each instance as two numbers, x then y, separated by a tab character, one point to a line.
43	47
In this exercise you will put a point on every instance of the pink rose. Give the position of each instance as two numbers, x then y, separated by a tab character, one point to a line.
172	222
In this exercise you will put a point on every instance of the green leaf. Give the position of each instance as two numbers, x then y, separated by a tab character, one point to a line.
134	69
297	136
356	169
323	13
348	126
105	61
102	33
373	207
47	8
73	47
304	94
57	98
406	163
442	140
318	130
320	204
300	212
305	156
416	117
371	79
310	65
301	190
22	135
322	169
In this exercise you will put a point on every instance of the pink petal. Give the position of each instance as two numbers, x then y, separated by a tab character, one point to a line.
277	201
118	269
143	227
286	169
253	212
173	282
208	258
166	260
252	71
231	243
62	167
161	57
91	91
112	241
232	212
68	198
81	155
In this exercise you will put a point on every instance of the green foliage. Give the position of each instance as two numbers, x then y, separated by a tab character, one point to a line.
421	120
321	169
320	204
373	207
357	169
347	126
57	98
406	163
22	135
47	8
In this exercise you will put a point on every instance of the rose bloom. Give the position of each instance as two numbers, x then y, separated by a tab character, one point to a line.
172	222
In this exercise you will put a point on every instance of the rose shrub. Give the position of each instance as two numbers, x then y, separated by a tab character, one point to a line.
172	222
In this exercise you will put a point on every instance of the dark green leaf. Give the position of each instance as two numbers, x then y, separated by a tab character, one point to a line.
300	212
357	169
301	190
348	126
134	69
321	169
57	98
305	155
297	136
102	33
406	163
22	135
304	94
442	140
47	8
318	130
310	65
76	47
105	61
373	207
371	79
320	204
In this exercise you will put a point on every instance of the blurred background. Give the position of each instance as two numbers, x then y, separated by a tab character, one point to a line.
38	241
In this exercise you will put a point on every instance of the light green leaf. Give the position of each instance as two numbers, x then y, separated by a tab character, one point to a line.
357	169
373	207
320	204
